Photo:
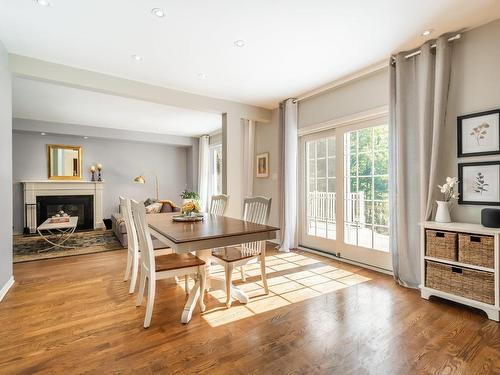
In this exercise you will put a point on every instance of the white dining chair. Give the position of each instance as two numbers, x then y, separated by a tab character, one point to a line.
218	204
255	210
132	267
163	266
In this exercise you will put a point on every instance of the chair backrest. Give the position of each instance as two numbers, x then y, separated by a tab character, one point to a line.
256	210
126	211
218	204
145	243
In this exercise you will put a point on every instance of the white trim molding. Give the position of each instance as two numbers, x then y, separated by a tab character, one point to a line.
371	114
345	260
6	288
32	189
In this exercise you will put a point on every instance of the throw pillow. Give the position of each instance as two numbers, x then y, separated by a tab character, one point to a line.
154	208
149	201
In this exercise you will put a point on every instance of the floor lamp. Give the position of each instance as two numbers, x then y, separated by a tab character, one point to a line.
141	180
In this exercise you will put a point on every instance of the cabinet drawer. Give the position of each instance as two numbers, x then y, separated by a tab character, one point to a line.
476	249
441	244
461	281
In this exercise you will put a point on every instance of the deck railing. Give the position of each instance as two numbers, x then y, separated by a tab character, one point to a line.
321	206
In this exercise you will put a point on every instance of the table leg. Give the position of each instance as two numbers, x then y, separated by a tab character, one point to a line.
191	302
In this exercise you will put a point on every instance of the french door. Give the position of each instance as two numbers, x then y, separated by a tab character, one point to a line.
344	204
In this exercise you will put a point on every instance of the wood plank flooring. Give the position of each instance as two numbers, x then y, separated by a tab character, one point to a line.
74	315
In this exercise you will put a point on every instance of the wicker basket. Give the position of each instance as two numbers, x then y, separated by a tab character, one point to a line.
439	244
464	282
477	250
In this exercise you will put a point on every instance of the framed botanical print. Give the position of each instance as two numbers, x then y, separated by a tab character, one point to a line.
263	165
479	134
479	183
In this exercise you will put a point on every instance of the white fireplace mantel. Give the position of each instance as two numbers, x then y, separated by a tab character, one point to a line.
33	189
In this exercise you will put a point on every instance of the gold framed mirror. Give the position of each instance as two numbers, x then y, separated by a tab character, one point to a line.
65	162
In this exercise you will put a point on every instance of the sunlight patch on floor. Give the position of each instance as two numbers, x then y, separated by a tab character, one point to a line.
288	283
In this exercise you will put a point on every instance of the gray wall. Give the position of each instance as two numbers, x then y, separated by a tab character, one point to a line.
267	137
475	87
360	95
121	160
5	169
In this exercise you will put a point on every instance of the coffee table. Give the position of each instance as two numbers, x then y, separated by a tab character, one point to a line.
63	231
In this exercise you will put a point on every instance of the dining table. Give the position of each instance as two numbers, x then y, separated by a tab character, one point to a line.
214	231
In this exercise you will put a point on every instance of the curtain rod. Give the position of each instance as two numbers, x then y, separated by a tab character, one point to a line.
418	52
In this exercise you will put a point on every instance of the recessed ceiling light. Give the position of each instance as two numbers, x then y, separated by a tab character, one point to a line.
137	57
42	133
427	32
202	76
158	12
42	3
85	137
239	43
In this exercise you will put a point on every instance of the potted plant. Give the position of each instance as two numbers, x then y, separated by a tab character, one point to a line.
189	196
449	193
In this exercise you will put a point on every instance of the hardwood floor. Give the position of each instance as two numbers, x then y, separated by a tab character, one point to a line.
74	315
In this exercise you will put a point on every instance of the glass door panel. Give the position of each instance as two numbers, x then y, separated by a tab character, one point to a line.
366	195
320	187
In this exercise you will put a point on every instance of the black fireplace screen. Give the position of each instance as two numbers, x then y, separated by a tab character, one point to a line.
74	205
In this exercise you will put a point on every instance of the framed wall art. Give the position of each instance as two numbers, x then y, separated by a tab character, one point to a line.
263	165
478	134
479	183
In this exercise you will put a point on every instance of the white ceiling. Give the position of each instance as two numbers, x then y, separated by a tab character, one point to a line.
48	102
292	46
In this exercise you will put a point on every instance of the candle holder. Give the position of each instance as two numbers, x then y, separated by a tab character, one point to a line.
99	169
92	171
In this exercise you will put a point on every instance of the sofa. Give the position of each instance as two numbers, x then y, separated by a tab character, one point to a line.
120	230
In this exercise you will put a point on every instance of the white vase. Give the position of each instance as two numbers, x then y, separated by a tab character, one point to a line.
443	212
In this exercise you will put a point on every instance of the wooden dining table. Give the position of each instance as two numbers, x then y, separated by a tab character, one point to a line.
203	236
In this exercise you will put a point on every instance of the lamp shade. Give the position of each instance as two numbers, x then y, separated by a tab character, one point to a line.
140	180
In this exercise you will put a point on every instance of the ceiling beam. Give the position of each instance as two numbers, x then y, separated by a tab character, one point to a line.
27	67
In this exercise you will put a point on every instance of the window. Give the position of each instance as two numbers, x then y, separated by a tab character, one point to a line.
366	181
216	170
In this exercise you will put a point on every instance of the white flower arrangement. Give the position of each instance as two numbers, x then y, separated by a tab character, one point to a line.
448	189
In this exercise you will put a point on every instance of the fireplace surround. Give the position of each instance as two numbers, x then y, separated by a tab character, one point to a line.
33	190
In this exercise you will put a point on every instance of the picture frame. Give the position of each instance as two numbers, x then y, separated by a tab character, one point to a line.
262	165
479	183
478	134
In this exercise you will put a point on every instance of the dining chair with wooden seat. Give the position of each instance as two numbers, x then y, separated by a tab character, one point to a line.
163	266
133	254
132	267
255	210
218	204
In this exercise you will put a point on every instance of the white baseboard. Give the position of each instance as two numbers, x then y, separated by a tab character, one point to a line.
344	260
6	287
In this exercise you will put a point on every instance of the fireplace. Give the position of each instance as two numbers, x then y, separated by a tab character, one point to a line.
74	205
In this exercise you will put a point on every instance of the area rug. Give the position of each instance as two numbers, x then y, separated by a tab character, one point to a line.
26	247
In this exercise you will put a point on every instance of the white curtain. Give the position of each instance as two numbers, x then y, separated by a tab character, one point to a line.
419	88
248	157
204	170
289	180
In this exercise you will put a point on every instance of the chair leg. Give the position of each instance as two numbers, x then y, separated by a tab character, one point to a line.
202	275
243	275
142	285
135	271
229	276
263	276
150	304
186	284
129	266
